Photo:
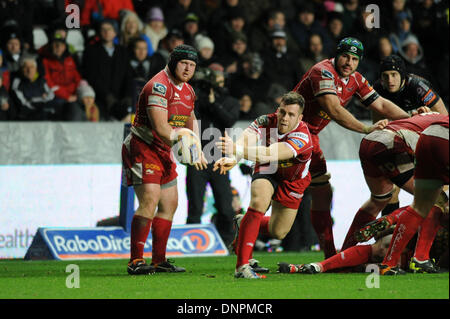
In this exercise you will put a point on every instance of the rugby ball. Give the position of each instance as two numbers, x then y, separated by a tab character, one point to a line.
187	149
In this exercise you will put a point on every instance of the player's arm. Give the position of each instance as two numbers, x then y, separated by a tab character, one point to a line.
439	107
332	106
386	109
158	119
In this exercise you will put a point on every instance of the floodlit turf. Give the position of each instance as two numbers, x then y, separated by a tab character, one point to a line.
207	278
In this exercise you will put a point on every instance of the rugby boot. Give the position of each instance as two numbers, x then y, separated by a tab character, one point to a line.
139	267
374	228
427	266
167	266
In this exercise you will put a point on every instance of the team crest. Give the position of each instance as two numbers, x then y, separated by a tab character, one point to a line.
327	74
159	88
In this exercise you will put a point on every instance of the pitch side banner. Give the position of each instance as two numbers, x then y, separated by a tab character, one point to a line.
113	242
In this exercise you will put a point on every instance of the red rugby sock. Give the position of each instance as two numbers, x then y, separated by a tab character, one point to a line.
323	225
427	231
350	257
361	218
160	234
140	228
264	227
408	223
248	232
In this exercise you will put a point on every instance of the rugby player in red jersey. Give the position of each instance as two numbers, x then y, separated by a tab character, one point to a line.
165	105
280	175
327	88
387	159
430	175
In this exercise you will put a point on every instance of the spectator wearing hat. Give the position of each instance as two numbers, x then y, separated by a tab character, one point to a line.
13	51
155	27
62	77
205	47
18	15
86	98
220	15
191	28
31	94
402	31
412	52
232	58
253	82
177	10
7	109
160	58
350	16
305	25
260	33
106	67
132	27
236	22
280	63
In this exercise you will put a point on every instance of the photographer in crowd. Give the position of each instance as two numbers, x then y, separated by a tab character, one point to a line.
216	110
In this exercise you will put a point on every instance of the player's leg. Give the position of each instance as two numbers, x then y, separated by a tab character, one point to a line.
261	196
148	197
281	220
381	190
162	224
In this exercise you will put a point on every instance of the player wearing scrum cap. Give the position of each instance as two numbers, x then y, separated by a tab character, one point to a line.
165	105
408	91
327	88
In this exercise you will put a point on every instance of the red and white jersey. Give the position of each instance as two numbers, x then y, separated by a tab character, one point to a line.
161	92
298	140
323	78
410	129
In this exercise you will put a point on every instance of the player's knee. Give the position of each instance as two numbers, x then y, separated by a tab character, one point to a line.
279	233
321	180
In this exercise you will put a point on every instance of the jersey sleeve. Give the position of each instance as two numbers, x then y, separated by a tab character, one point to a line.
366	92
426	95
298	142
258	124
157	95
322	81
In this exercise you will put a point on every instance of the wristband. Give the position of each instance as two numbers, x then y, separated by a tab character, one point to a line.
366	129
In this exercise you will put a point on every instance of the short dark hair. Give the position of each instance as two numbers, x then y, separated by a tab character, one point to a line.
293	98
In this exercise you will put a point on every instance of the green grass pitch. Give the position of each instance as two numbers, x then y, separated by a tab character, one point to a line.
207	278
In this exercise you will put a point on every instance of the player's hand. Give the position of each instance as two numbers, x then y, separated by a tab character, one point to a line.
202	163
226	145
381	124
420	110
224	164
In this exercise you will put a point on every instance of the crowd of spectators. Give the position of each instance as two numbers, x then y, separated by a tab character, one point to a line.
50	71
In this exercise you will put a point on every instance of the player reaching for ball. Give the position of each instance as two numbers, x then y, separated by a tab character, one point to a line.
327	88
165	108
280	175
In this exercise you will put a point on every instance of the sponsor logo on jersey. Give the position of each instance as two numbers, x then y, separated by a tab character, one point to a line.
300	135
178	120
149	171
326	84
296	195
157	100
296	143
429	97
152	167
327	74
286	163
159	88
324	115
